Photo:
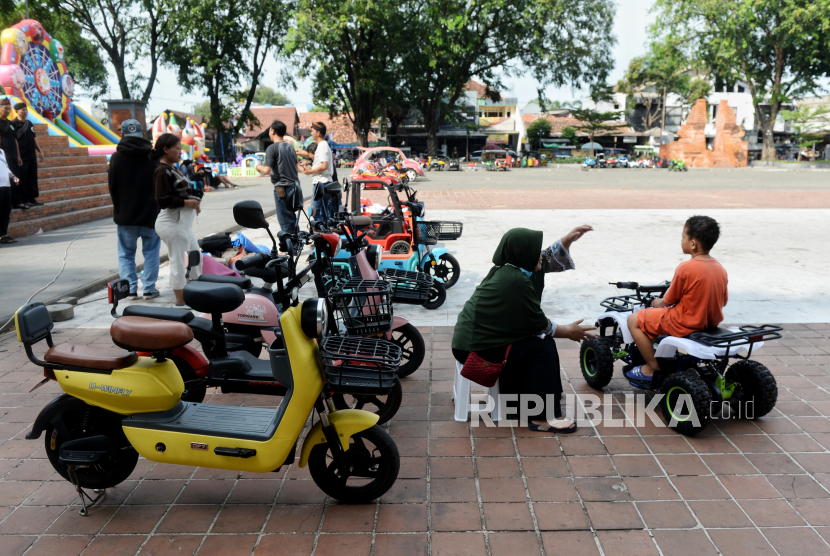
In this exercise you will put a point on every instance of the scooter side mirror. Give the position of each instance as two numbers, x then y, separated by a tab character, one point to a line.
193	258
250	215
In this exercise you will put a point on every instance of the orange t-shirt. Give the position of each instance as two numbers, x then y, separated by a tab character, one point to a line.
695	300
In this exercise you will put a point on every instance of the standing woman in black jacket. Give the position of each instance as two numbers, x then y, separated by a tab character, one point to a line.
178	211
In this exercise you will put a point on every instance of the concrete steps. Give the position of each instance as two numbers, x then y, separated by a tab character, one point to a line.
72	184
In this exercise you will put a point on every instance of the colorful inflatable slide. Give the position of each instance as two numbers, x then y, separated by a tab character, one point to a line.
32	70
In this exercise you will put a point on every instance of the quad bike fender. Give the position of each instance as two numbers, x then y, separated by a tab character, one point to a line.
346	421
193	358
622	323
669	346
52	413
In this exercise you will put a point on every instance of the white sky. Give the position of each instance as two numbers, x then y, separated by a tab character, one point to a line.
630	26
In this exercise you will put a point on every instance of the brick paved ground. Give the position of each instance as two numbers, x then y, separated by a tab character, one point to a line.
739	488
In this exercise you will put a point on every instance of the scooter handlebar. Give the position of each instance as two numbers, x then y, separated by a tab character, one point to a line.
625	285
252	261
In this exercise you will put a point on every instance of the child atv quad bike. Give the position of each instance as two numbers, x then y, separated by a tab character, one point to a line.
695	376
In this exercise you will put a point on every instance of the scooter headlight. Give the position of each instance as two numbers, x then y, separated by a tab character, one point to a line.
314	317
374	254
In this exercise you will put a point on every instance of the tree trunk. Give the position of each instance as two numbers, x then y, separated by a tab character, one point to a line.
663	118
121	75
432	142
768	152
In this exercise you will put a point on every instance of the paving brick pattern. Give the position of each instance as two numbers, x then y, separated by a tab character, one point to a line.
739	488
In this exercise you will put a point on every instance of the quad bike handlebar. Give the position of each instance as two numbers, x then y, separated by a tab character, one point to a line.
643	295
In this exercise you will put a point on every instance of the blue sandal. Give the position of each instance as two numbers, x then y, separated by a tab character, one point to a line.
637	374
548	428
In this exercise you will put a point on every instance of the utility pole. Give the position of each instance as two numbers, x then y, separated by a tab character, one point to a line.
27	9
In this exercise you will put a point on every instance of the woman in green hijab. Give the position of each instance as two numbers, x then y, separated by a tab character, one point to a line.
505	311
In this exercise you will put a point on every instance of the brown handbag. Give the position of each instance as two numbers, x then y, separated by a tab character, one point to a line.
480	371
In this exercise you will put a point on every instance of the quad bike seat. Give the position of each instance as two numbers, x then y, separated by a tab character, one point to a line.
90	357
714	331
144	334
162	313
362	221
206	297
241	281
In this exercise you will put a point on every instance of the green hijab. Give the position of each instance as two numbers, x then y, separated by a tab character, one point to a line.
505	306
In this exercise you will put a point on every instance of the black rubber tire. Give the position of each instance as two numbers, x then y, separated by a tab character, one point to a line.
413	348
400	247
188	373
384	409
596	362
689	383
387	459
114	472
757	386
453	269
404	179
437	296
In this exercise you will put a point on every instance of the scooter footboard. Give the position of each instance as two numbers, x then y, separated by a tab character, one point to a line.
346	421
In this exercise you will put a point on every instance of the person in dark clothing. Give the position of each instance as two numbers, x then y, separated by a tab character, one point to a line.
281	163
135	209
8	142
505	312
6	179
29	154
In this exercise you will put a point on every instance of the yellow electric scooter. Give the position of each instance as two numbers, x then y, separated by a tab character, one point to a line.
117	406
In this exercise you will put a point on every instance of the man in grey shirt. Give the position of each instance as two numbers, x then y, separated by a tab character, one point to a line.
281	163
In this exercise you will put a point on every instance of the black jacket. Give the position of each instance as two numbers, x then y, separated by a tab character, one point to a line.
131	183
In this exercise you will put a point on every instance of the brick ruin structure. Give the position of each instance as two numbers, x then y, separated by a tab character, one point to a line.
728	151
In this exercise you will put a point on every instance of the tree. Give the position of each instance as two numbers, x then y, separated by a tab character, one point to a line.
267	95
558	42
353	46
538	129
202	109
235	39
83	57
665	68
569	133
809	124
595	123
128	31
777	47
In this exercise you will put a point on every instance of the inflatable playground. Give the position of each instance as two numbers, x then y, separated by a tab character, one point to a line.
33	70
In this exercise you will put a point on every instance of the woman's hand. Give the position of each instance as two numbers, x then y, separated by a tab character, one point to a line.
575	234
193	204
574	331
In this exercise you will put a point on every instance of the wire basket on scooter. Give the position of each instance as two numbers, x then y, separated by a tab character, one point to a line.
426	233
408	286
449	230
360	365
362	307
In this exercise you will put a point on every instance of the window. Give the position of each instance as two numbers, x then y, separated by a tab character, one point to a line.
616	107
508	113
740	89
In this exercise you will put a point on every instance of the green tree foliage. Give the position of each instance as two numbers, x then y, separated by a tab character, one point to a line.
349	50
569	133
233	42
202	109
537	130
267	95
129	32
777	47
83	58
594	123
666	68
810	124
558	42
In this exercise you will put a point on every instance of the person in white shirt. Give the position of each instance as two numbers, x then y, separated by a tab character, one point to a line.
322	168
6	179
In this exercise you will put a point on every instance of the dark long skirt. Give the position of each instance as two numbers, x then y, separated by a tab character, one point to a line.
532	368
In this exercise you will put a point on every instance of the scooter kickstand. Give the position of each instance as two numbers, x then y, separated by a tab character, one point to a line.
84	511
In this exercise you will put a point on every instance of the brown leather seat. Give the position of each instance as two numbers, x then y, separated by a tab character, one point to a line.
145	334
90	357
362	221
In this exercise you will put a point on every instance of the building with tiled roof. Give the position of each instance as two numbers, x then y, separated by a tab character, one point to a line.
255	138
340	128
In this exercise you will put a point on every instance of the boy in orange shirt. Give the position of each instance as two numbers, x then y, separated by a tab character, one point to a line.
694	301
